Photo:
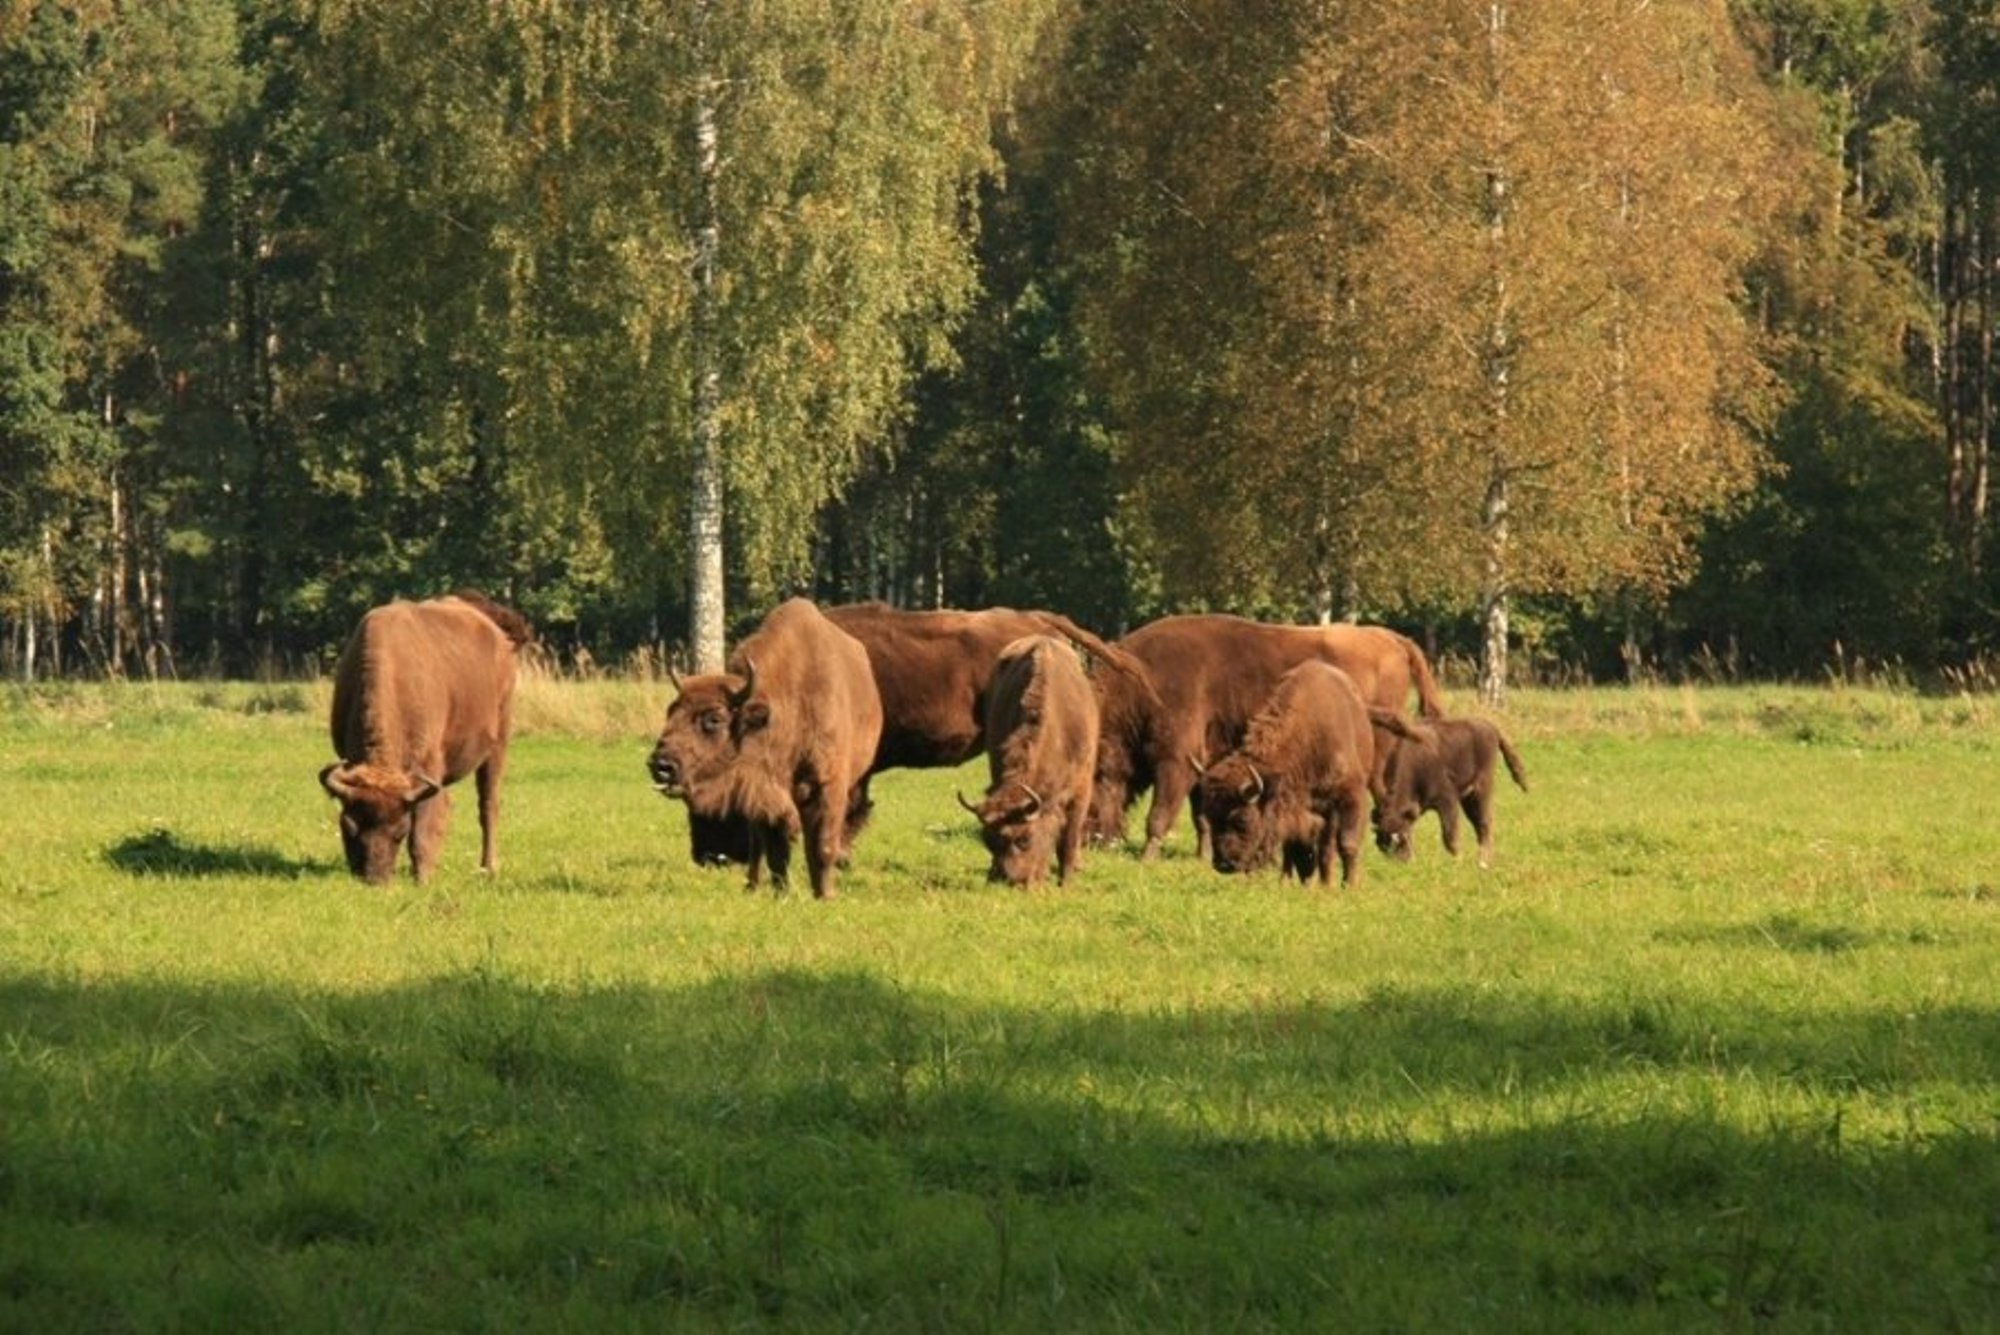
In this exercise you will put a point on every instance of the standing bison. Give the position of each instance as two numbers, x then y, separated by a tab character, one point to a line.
779	741
423	695
931	668
1444	766
1205	676
1041	722
1299	781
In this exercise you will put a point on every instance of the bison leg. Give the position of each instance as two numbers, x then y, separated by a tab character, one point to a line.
427	824
1448	826
1479	810
769	844
488	778
1070	854
860	806
1351	819
1171	786
824	821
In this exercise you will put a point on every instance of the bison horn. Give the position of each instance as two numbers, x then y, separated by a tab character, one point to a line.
1195	761
1034	802
423	789
334	779
673	679
960	795
737	699
1257	793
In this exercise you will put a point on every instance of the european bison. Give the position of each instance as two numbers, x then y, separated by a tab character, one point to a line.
1041	719
1298	782
932	668
1207	674
1443	765
779	741
423	695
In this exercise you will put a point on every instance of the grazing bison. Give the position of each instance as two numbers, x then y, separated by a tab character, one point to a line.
1299	783
779	741
1443	765
932	669
1205	676
423	695
1041	719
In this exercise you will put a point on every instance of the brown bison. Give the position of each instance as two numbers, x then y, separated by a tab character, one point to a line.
423	695
1443	765
1298	786
1041	719
932	669
779	741
1207	675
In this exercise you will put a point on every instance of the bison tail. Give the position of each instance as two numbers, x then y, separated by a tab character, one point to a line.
1100	650
1430	701
1513	759
1391	721
511	623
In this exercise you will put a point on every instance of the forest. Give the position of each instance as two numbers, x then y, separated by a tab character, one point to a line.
1590	337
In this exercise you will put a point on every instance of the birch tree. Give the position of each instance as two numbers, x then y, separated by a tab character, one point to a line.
729	235
1477	294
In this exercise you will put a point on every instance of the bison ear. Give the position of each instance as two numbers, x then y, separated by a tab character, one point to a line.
421	789
739	698
755	715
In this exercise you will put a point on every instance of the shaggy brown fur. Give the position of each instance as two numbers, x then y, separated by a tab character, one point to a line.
1207	675
1041	715
1444	765
779	741
422	696
1301	772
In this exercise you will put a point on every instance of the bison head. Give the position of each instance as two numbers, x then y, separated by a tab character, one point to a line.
1019	831
1398	805
705	727
1240	804
377	807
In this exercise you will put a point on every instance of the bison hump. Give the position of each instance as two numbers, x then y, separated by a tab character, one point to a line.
511	623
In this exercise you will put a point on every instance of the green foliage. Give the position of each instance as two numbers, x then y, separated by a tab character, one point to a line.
1700	1049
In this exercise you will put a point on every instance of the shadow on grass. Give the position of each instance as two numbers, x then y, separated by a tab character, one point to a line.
161	852
827	1150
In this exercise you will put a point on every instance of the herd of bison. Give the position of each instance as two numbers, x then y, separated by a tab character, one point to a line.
1286	740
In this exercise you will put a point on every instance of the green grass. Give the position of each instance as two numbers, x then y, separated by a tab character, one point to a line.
1715	1044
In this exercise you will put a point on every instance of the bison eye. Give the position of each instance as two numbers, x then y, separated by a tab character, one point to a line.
712	721
1020	843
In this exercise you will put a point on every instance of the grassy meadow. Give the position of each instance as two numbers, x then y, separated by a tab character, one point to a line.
1715	1044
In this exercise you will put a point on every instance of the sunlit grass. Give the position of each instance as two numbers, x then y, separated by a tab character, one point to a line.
1714	1041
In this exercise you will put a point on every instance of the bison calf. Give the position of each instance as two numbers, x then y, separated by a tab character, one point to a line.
1443	765
779	742
1041	719
423	695
1299	781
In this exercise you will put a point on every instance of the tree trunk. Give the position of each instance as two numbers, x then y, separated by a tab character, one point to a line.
1493	596
1498	368
1981	444
707	615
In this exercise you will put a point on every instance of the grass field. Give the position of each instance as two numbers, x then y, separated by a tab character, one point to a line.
1715	1044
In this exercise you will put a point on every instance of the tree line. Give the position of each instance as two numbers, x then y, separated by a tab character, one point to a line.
1591	332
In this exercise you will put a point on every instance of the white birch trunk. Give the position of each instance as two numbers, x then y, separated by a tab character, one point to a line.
707	615
1499	370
